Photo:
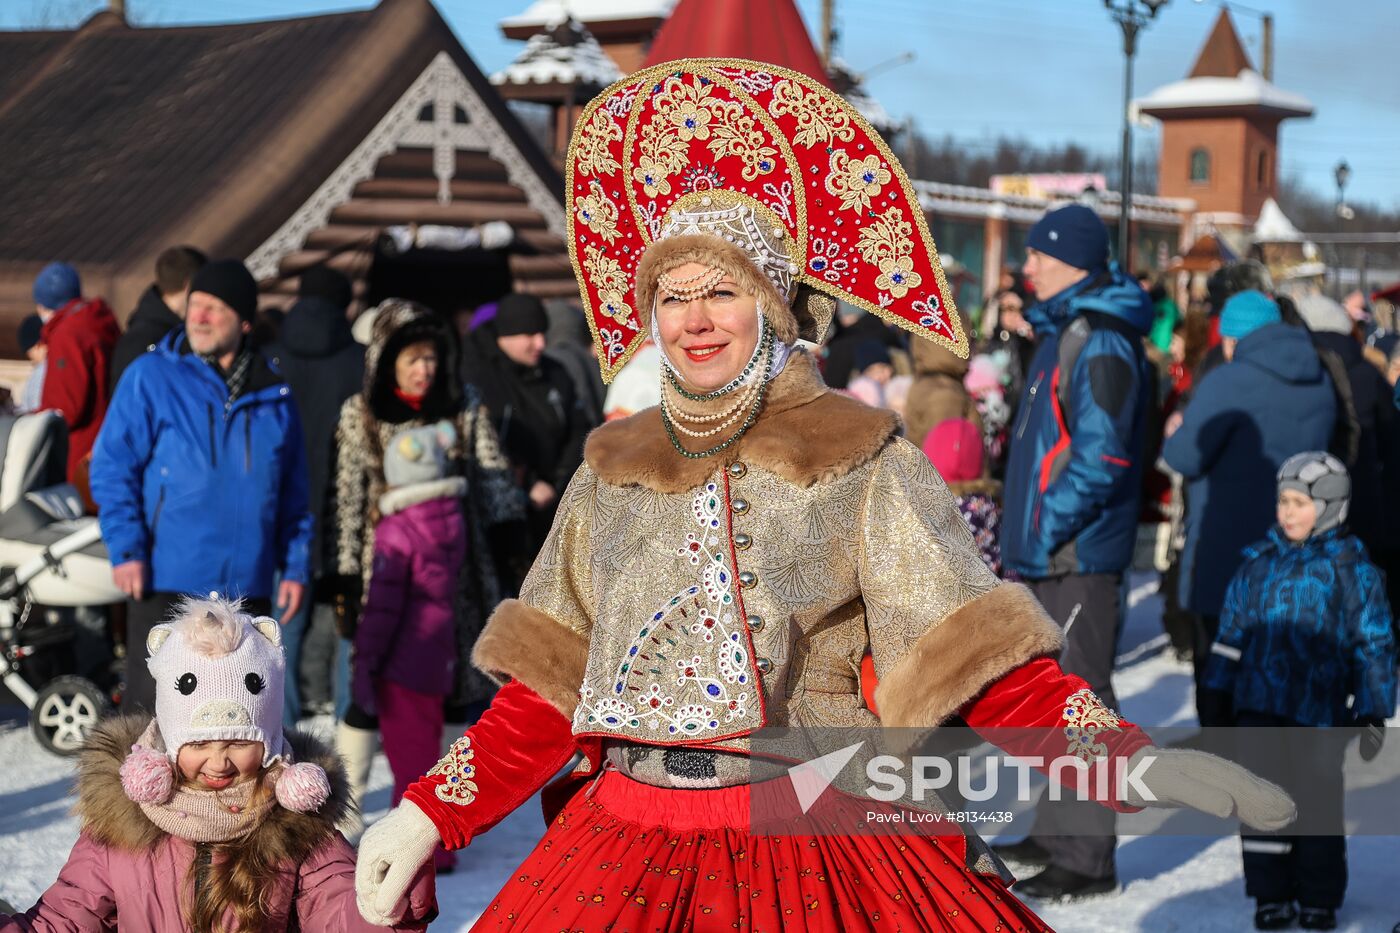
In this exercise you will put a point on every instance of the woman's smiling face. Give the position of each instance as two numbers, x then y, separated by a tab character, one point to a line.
708	339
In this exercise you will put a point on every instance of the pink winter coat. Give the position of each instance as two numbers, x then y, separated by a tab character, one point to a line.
408	630
125	873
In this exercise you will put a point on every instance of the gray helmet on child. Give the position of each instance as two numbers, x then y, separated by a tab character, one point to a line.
1323	479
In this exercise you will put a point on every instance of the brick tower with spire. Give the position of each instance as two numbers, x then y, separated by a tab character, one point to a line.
1220	131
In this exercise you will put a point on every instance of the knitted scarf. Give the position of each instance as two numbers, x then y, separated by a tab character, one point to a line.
236	378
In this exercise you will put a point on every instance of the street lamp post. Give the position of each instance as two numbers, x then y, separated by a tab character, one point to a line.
1132	16
1342	173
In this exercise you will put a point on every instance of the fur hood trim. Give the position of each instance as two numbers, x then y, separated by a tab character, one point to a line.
521	643
985	486
956	660
113	819
405	497
806	434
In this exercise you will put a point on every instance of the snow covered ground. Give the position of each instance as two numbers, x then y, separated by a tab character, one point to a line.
1169	883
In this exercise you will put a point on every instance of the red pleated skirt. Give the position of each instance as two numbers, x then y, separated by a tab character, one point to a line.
630	857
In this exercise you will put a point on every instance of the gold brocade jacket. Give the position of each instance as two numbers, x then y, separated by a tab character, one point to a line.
690	602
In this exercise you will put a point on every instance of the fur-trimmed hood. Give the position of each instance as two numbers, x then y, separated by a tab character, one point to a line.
398	323
806	433
113	819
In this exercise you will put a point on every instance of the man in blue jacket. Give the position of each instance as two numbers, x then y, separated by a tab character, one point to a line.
1072	488
1272	399
199	472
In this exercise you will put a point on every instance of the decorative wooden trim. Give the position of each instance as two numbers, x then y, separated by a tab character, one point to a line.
443	85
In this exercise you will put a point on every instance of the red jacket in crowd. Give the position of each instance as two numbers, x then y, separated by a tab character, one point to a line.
80	337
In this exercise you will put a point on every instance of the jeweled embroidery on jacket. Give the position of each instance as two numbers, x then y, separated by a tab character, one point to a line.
1086	717
457	769
656	686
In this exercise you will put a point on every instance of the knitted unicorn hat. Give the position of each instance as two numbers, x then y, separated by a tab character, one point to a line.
219	677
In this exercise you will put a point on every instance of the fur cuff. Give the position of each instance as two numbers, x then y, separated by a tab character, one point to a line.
957	659
521	643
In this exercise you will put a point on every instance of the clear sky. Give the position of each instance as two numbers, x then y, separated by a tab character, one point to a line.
1048	70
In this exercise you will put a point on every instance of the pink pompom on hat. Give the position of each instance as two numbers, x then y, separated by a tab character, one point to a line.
219	676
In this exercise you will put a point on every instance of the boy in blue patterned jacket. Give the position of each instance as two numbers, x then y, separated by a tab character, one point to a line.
1305	641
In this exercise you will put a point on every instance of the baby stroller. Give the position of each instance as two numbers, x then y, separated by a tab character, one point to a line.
50	555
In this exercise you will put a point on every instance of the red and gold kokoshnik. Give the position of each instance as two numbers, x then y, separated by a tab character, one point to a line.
733	132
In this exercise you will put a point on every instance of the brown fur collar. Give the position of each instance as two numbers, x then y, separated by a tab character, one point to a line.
114	819
806	434
521	643
959	658
985	486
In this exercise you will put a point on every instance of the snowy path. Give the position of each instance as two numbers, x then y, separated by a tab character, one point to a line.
1169	883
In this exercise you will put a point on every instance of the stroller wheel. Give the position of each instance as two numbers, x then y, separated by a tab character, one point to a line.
64	712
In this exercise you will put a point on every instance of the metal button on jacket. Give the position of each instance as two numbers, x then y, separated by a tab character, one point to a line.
737	469
755	623
742	541
764	665
740	505
747	578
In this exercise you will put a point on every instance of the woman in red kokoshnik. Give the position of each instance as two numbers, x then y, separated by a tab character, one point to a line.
723	562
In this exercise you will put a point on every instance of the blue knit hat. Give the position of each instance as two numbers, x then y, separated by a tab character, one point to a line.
56	285
1074	235
1245	312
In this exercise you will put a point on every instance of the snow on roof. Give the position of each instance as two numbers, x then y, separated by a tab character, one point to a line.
1274	226
543	12
565	52
872	110
1247	89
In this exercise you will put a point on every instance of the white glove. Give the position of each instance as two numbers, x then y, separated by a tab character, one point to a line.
1179	777
391	852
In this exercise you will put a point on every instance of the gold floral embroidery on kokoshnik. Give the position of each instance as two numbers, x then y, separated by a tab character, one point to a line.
1086	717
779	148
457	769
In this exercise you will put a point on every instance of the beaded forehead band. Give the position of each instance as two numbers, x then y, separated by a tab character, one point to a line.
697	286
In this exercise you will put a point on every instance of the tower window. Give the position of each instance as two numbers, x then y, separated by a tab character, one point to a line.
1261	171
1200	166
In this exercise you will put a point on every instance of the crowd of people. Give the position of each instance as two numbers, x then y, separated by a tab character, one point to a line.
380	496
1110	420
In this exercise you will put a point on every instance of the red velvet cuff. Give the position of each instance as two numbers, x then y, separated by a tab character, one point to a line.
1037	710
520	742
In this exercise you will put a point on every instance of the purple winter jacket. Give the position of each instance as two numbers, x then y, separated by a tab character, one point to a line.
407	632
125	873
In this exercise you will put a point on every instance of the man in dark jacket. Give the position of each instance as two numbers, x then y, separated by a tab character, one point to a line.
1073	483
533	404
200	472
79	333
324	366
1270	400
1333	331
161	308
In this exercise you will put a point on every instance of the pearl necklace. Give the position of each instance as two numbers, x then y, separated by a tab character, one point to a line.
752	398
